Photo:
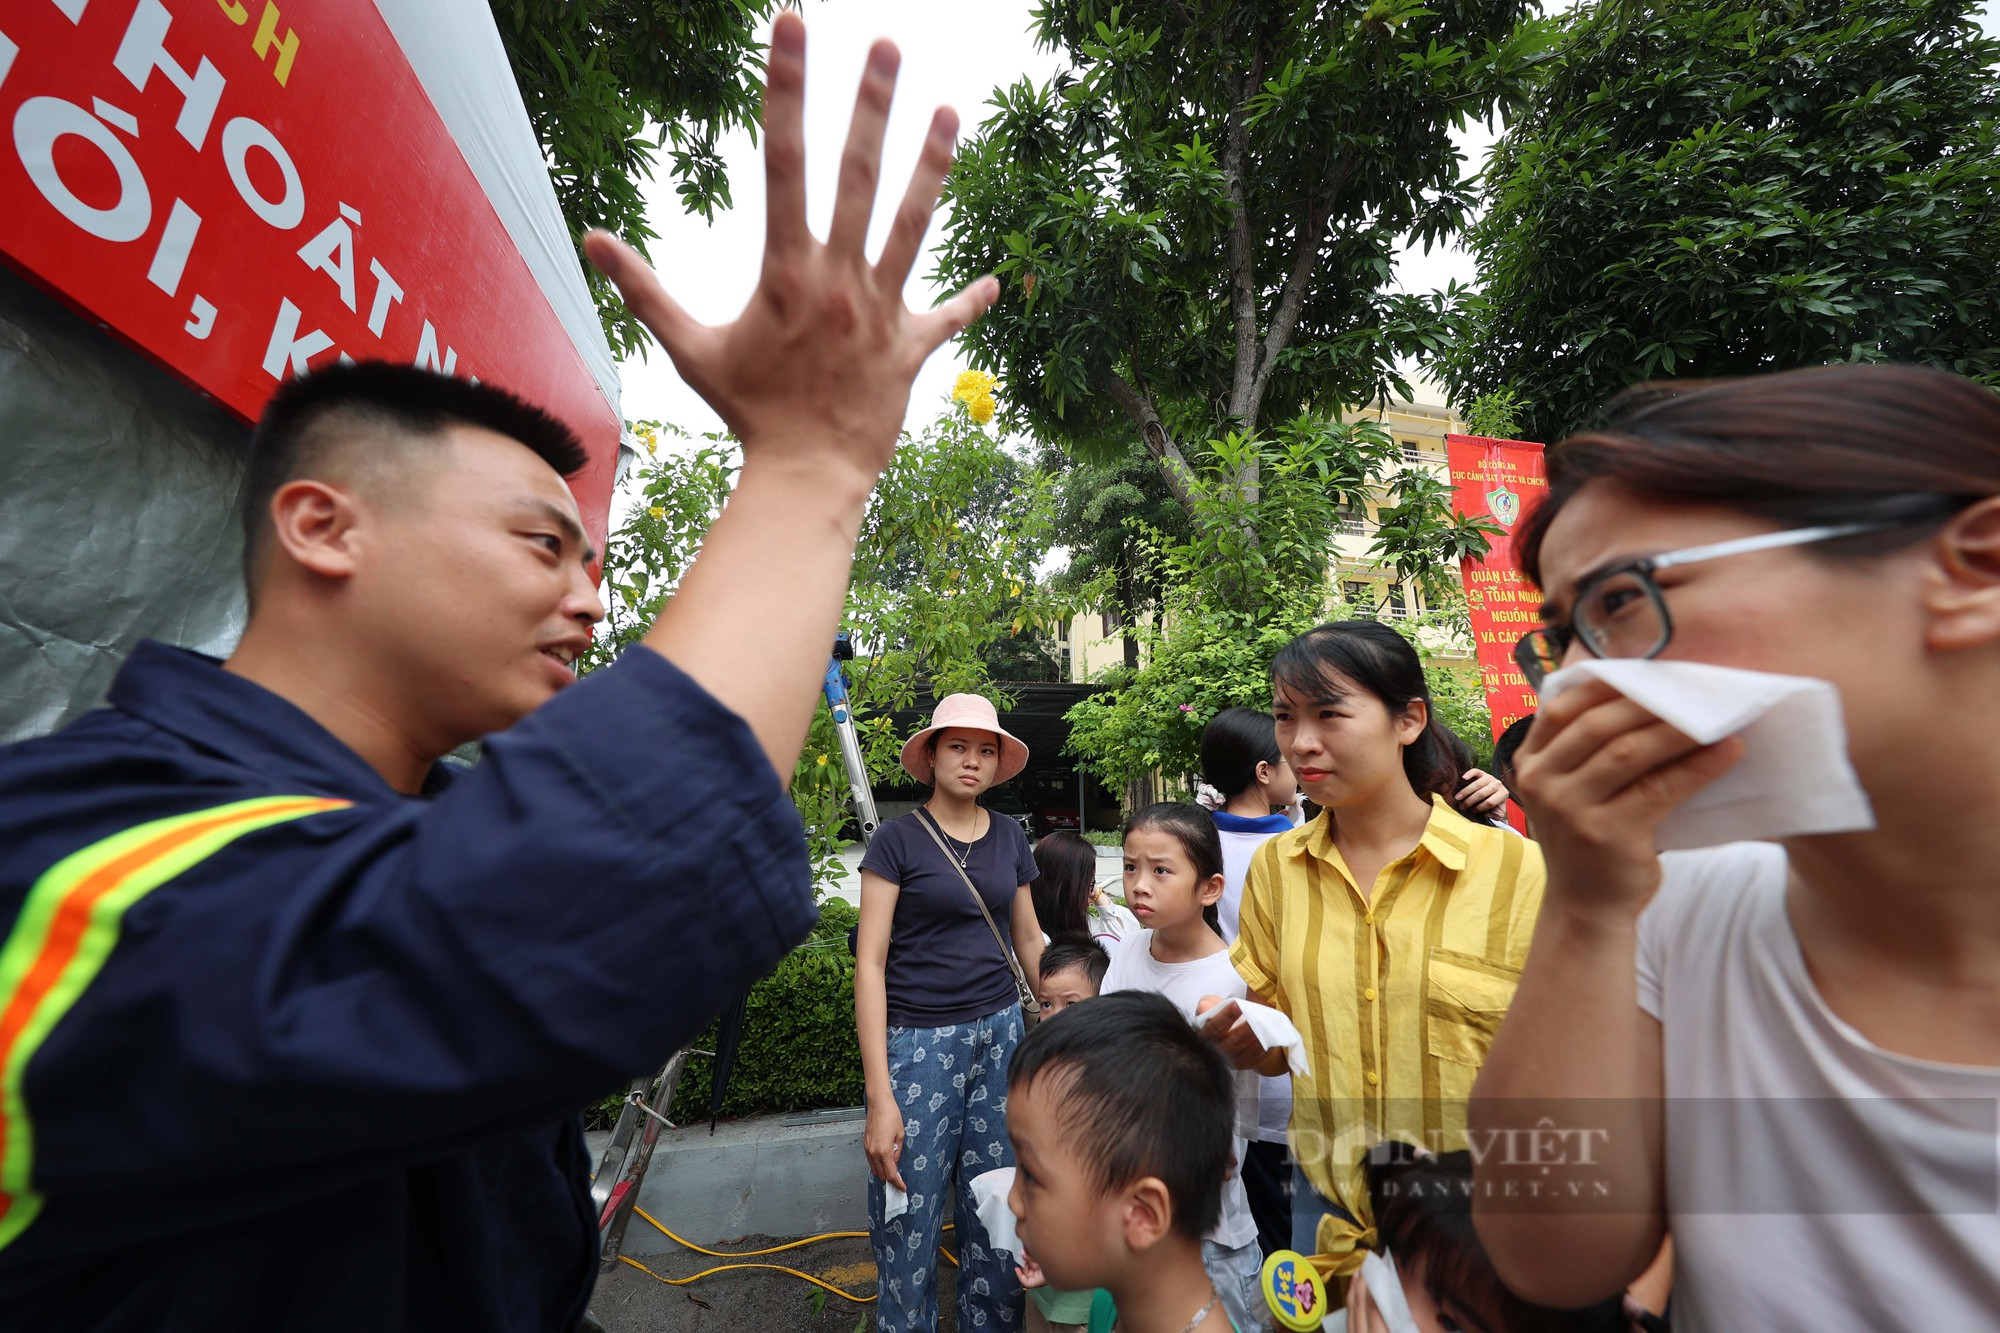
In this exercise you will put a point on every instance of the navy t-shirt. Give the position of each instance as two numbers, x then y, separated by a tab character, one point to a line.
943	965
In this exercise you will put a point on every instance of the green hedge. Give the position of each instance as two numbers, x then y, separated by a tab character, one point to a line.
799	1050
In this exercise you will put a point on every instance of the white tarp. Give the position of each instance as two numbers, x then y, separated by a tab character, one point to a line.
117	512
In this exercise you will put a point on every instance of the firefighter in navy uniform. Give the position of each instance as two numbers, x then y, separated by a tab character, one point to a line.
295	1022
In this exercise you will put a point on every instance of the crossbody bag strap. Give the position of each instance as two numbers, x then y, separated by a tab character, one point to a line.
1013	963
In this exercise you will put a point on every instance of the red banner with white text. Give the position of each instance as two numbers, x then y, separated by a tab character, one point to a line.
246	191
1500	480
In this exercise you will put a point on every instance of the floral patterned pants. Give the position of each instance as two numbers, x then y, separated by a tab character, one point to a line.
951	1085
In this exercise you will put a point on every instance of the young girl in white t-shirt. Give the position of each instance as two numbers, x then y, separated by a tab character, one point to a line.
1173	880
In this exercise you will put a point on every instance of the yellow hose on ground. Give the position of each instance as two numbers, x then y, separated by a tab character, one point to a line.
746	1254
725	1268
749	1254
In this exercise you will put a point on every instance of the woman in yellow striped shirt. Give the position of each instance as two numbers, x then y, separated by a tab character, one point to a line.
1391	929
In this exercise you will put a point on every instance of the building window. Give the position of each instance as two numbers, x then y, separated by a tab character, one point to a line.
1353	520
1114	623
1398	606
1358	592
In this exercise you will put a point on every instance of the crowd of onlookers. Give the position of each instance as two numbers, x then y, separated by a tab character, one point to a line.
1384	991
1206	884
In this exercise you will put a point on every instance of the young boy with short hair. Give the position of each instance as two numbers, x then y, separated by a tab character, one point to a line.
1121	1116
1072	970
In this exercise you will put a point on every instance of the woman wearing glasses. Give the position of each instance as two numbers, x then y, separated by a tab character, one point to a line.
1805	1091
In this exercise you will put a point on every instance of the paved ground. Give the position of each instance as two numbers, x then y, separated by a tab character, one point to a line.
628	1301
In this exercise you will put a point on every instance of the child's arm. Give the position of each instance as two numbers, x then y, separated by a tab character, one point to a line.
883	1137
813	378
1483	794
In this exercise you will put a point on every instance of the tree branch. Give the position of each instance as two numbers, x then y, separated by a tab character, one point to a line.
1319	206
1242	258
1159	443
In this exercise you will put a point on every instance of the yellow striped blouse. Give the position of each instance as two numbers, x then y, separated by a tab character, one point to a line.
1398	994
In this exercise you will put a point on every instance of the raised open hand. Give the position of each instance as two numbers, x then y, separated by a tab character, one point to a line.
818	366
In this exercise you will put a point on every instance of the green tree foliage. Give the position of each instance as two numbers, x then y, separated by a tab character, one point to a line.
1496	415
943	577
1231	601
610	84
1195	224
1109	515
1704	190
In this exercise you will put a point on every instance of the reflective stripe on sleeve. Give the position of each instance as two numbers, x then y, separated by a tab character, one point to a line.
66	929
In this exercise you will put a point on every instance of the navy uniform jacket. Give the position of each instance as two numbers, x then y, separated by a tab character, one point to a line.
282	1049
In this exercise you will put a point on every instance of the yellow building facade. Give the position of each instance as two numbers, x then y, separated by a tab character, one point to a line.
1093	642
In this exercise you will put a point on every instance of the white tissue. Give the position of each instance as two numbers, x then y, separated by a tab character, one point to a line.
1794	777
895	1202
990	1191
1274	1031
1385	1293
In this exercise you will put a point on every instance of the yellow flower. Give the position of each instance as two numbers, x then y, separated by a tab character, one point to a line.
822	761
650	438
657	511
981	408
972	385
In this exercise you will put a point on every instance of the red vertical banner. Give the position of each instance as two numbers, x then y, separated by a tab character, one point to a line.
1500	480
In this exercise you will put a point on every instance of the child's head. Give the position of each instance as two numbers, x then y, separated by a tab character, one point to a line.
1062	890
1121	1116
1073	967
1173	866
1505	748
1239	750
1423	1214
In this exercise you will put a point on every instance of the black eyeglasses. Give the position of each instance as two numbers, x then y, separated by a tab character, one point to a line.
1621	613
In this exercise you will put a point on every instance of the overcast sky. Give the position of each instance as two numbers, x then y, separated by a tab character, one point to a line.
955	52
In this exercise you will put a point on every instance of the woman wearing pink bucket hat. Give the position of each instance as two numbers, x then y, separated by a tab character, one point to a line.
944	904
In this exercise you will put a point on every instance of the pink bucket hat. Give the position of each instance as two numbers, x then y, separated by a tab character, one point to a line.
975	713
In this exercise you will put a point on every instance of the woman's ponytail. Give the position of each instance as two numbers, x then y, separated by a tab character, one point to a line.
1437	760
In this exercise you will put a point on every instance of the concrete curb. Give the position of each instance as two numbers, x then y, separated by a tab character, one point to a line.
778	1175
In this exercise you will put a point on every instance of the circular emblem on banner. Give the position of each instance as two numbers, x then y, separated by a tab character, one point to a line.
1295	1291
1504	505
